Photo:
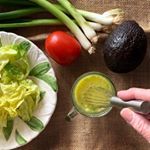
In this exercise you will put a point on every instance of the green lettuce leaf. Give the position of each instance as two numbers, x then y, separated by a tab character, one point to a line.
15	71
11	53
18	99
19	96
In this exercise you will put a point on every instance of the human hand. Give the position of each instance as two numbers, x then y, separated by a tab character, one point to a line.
137	121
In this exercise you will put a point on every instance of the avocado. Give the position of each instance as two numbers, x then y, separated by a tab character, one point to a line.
125	47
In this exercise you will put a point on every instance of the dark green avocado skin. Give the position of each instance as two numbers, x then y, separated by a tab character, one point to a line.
125	47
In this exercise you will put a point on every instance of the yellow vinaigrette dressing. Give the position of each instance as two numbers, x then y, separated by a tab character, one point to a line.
86	96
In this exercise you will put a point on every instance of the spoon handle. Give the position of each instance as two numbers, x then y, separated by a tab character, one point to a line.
138	105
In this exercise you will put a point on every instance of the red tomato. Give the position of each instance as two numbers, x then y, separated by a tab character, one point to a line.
62	47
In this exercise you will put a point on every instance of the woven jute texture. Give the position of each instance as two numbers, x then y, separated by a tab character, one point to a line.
137	10
107	133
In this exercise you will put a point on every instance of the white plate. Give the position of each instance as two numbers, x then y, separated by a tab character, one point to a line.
21	132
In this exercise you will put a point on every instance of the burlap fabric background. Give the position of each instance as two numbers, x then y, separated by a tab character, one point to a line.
106	133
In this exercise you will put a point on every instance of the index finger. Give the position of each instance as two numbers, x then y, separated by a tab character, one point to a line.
135	93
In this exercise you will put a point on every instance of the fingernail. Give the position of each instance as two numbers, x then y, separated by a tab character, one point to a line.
119	93
127	114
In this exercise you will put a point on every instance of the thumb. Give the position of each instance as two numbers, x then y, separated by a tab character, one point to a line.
138	122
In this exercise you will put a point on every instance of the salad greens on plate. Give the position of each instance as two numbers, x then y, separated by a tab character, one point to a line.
19	95
28	91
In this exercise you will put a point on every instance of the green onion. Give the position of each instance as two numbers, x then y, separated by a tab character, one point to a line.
117	13
107	18
19	13
43	22
113	16
95	26
88	31
30	23
99	21
97	17
68	22
27	11
15	2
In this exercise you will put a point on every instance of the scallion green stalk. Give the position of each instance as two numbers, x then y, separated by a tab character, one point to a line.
19	13
31	23
113	16
68	22
28	11
16	3
42	22
88	31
